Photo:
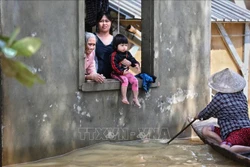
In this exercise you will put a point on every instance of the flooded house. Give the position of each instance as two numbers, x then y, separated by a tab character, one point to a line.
67	112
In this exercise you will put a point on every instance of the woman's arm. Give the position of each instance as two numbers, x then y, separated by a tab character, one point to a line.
211	109
95	77
91	73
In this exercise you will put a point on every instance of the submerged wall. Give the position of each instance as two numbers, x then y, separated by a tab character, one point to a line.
55	118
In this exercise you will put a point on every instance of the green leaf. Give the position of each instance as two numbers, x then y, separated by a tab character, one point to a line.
13	36
27	46
4	38
19	71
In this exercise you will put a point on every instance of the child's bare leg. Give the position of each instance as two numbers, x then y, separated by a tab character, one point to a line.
124	94
135	89
135	99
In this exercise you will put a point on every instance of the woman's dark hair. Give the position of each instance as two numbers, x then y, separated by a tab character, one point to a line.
99	17
119	39
101	14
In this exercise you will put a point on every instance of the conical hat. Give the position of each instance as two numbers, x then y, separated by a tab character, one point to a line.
226	81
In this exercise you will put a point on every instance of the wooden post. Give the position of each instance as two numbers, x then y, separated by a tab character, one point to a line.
242	66
246	55
242	4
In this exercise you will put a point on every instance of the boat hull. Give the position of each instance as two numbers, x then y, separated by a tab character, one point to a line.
243	158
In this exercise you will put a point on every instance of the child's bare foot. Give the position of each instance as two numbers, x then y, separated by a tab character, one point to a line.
136	101
125	101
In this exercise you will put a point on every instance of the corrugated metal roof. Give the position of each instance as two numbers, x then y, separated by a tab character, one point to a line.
130	8
226	11
221	11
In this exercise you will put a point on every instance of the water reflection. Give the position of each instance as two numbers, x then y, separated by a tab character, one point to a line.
147	153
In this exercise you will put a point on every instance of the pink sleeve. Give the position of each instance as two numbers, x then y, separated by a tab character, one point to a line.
90	63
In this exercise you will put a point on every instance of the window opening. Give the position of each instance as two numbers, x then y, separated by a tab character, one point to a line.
127	21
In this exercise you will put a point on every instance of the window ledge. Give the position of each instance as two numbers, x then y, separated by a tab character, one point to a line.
109	84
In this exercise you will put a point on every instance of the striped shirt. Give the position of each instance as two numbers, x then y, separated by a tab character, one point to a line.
231	109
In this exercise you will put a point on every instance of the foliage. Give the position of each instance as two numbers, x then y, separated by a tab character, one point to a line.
10	48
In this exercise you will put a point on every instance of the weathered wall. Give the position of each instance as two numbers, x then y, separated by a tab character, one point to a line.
50	119
182	45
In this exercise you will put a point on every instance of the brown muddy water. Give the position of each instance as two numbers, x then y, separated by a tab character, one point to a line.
147	153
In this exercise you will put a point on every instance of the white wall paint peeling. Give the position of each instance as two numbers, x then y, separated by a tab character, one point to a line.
181	95
178	97
78	96
148	94
171	51
44	117
88	115
156	55
79	109
34	34
121	121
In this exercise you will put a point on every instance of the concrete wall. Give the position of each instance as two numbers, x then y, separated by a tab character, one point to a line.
51	119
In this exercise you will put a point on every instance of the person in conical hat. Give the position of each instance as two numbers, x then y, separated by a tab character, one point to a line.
230	106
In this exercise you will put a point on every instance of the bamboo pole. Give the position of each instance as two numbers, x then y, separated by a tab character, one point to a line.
133	30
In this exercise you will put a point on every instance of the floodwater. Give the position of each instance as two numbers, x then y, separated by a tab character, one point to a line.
146	153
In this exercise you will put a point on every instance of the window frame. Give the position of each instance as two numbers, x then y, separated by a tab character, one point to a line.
149	63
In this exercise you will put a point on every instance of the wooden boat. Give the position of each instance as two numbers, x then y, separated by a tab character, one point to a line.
242	158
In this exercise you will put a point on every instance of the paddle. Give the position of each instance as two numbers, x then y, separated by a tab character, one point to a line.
181	130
